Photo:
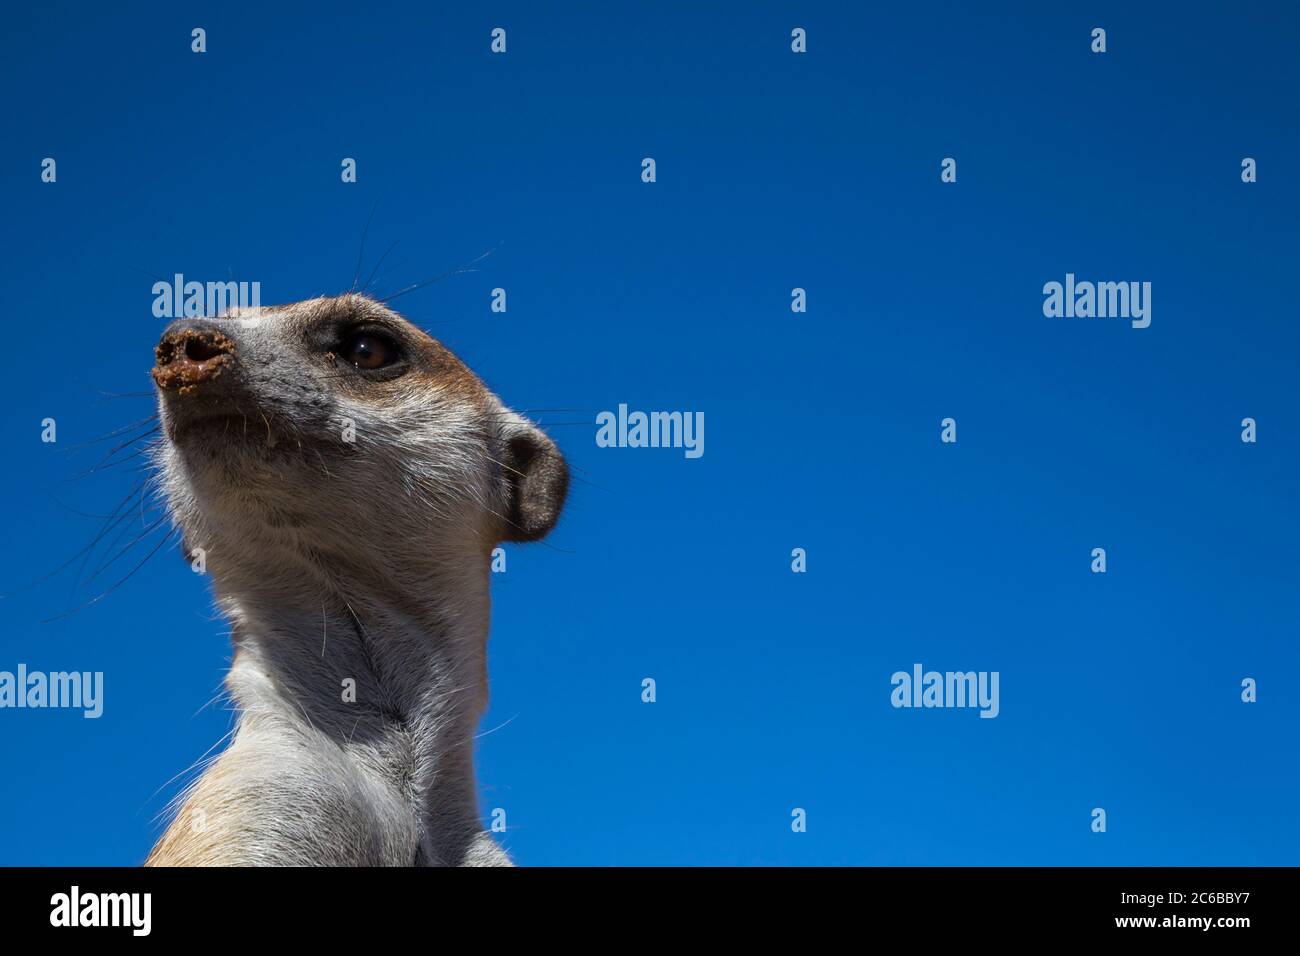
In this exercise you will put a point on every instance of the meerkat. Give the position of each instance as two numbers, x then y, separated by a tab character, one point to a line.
346	478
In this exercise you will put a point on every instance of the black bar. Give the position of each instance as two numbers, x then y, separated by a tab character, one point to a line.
978	903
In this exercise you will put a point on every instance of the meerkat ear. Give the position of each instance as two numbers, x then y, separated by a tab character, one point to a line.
537	480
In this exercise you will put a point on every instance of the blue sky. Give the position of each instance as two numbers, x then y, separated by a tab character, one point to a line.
774	171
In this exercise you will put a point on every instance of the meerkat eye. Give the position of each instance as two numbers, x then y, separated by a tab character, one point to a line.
367	350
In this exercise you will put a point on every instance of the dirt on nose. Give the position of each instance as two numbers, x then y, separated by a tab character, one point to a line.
187	359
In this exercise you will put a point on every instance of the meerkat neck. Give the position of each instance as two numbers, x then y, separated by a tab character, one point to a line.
357	714
340	660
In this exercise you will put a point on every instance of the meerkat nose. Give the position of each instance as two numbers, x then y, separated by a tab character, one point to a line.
189	354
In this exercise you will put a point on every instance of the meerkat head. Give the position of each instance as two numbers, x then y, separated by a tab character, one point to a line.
335	428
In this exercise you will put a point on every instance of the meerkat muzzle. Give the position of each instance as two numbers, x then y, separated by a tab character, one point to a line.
187	357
